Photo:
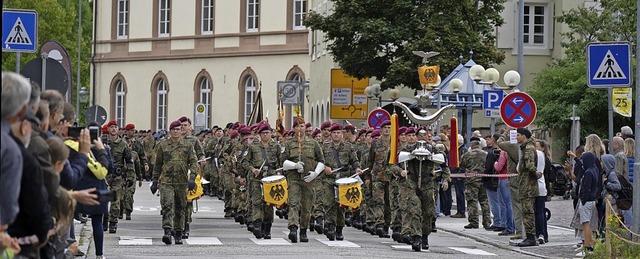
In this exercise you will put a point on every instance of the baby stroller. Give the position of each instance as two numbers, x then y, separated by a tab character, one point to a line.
563	184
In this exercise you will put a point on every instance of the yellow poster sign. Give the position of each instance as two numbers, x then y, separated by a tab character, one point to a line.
348	100
622	101
428	74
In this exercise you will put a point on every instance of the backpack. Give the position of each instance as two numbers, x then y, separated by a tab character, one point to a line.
625	195
550	171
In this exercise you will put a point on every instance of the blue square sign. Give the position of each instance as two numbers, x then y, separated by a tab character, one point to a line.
491	99
19	30
609	64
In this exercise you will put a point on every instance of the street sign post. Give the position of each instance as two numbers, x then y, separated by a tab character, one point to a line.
348	100
96	113
518	110
608	64
200	117
290	91
491	103
19	30
377	117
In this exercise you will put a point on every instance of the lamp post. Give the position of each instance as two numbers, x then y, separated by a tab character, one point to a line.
81	97
373	91
490	77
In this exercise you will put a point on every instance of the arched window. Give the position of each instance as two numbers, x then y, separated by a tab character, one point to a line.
205	98
120	94
294	74
249	96
161	104
327	112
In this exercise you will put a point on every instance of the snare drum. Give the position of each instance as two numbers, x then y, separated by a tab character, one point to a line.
275	190
349	192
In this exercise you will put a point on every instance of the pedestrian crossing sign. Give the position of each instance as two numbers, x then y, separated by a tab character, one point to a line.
19	30
609	64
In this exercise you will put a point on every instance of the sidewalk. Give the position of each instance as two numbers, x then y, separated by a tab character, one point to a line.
82	236
561	239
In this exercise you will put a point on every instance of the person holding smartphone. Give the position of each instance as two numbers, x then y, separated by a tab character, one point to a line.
93	177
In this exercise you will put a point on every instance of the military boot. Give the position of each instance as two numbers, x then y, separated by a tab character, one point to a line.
319	226
331	233
167	236
227	213
348	219
266	230
416	245
128	217
113	227
303	235
357	224
257	229
396	233
425	242
339	235
530	241
250	226
293	234
178	238
105	225
406	238
385	232
185	234
121	214
312	224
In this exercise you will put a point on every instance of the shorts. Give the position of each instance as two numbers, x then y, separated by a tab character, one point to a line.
586	211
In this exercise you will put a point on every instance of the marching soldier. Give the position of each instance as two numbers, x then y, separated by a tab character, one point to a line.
340	161
379	181
187	135
213	149
242	191
317	224
303	162
174	158
261	161
123	172
139	165
474	162
417	190
149	142
228	175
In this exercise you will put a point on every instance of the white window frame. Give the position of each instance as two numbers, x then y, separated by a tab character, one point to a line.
253	20
205	98
161	107
122	19
325	13
164	26
119	103
249	96
529	23
299	13
207	21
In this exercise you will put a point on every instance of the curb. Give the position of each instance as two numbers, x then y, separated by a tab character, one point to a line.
83	241
489	242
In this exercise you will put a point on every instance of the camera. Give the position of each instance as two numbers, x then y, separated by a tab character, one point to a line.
106	195
118	172
74	132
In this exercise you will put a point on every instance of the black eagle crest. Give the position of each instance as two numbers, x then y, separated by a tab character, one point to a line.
277	192
353	194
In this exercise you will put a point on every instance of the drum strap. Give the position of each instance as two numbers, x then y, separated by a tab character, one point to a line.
264	156
336	156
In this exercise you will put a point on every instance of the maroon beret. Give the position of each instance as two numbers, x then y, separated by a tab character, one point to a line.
299	120
335	126
362	131
410	130
184	119
264	127
245	130
105	129
385	123
234	135
402	130
129	126
236	126
349	127
111	123
308	125
175	124
315	133
375	134
325	125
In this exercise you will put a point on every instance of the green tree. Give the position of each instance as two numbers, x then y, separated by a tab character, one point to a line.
58	21
375	38
564	83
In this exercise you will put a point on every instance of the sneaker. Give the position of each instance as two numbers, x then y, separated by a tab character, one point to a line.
440	215
541	240
101	257
584	252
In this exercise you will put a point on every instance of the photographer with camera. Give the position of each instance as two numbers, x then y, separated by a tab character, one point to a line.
93	177
122	171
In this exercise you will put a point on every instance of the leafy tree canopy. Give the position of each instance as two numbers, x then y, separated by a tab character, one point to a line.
375	38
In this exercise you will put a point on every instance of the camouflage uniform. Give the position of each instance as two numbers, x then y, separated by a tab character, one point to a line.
149	144
300	193
243	191
197	147
474	162
130	186
418	201
173	160
124	171
528	185
267	156
213	149
380	175
341	156
228	174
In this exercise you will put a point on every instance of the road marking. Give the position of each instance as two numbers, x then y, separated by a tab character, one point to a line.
135	241
209	241
406	247
342	243
271	242
143	208
471	251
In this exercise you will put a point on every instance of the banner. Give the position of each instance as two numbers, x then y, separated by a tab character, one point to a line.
622	101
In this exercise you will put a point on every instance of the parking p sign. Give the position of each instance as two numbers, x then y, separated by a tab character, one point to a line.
492	99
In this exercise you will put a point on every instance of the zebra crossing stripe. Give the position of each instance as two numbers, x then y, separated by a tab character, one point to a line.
204	241
407	247
342	243
471	251
271	242
135	241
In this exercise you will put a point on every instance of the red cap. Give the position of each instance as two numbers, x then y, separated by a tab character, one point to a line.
375	134
299	120
105	129
349	127
385	123
111	123
236	126
326	124
130	126
183	119
402	130
410	130
264	127
335	126
308	125
175	124
315	133
234	135
245	130
362	131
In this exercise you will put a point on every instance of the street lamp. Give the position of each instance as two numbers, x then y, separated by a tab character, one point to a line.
81	97
373	91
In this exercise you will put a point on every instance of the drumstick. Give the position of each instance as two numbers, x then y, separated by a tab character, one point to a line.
356	174
335	170
205	159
